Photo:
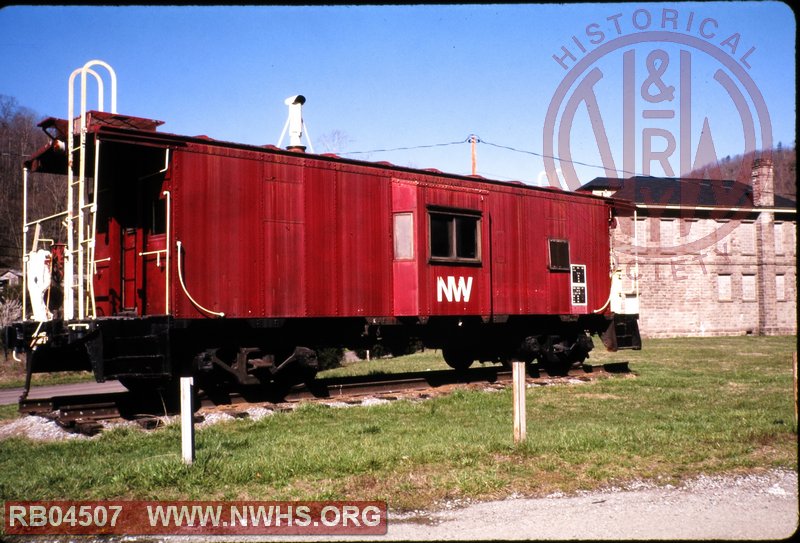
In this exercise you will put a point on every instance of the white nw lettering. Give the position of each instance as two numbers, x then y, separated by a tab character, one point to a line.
452	290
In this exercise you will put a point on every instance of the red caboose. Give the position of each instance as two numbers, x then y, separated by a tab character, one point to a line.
190	255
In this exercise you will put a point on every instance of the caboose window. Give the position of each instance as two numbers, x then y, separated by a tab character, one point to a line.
454	237
403	236
559	255
158	217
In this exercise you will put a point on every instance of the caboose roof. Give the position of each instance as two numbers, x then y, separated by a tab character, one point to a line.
142	131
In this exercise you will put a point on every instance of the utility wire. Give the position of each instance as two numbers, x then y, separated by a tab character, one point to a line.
554	158
479	140
406	148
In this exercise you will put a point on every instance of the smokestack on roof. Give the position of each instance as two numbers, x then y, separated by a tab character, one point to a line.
763	183
295	123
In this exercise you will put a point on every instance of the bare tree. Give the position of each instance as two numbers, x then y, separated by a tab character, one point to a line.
334	141
784	167
19	138
10	311
784	164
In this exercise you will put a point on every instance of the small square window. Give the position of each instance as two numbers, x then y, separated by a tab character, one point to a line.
559	255
455	236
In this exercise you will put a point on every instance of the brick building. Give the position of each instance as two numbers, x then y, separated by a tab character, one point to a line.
713	257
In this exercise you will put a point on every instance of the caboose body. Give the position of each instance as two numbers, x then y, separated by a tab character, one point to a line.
185	255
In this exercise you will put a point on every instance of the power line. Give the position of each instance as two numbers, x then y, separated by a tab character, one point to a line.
550	156
405	148
479	140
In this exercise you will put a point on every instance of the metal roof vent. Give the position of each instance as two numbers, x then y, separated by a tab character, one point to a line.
295	125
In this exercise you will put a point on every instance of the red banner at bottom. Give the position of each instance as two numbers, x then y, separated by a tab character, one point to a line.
195	518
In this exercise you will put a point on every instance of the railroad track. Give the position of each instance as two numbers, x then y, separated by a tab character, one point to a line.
85	413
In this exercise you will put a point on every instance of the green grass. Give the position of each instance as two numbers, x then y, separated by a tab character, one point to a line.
8	412
694	406
421	361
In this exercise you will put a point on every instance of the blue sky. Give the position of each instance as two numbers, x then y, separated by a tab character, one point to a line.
388	77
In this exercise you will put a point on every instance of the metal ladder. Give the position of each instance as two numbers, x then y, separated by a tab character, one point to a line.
81	213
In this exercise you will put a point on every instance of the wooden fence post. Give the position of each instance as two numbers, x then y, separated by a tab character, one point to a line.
518	372
794	384
187	420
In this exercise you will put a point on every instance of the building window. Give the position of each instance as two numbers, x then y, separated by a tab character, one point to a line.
640	232
455	236
748	287
403	236
158	217
723	245
559	255
780	287
153	210
746	235
779	238
724	293
668	235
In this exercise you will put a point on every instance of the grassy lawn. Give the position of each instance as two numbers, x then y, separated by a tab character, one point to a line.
694	406
421	361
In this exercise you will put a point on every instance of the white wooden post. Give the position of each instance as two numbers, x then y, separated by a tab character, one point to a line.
794	384
187	420
518	371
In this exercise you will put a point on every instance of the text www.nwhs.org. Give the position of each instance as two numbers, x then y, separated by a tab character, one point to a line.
148	517
249	515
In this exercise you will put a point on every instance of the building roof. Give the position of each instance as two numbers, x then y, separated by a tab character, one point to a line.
681	191
6	271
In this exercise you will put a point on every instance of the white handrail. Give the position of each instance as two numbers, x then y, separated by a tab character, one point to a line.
90	262
167	245
77	212
183	286
24	241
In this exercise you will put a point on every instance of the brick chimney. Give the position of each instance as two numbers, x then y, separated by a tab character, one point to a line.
763	183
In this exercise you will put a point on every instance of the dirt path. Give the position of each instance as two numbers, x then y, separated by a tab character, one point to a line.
742	507
745	507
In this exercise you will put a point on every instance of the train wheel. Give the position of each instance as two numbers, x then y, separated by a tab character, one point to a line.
300	367
457	358
557	366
